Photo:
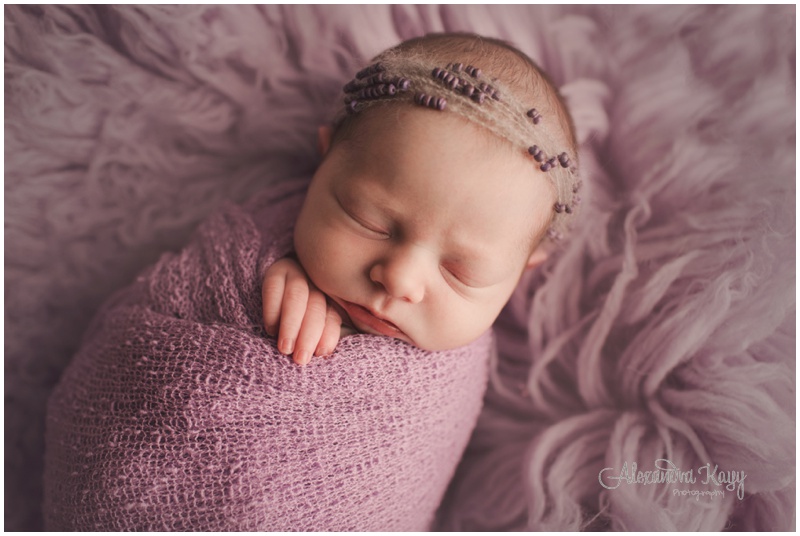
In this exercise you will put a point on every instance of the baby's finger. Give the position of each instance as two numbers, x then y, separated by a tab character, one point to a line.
330	335
272	297
313	325
293	309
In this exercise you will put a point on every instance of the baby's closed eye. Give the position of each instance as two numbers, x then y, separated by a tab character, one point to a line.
460	276
371	227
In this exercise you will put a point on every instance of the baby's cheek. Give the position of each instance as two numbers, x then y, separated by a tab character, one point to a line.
456	322
332	261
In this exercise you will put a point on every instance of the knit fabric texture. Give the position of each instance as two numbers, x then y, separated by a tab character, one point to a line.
179	414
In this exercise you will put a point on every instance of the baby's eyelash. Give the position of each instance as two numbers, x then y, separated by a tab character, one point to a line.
460	278
368	227
361	222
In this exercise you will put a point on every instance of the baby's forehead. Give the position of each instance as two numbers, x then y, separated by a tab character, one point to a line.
378	123
462	185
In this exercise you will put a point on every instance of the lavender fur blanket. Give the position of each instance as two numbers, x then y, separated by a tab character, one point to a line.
178	414
664	331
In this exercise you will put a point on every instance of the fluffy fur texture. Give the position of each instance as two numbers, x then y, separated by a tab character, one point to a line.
664	329
178	413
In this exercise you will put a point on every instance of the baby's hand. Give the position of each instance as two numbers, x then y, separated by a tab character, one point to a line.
308	324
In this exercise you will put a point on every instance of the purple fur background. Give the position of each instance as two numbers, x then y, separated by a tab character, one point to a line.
665	329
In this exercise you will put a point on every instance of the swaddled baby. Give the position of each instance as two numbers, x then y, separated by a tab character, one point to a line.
440	184
448	173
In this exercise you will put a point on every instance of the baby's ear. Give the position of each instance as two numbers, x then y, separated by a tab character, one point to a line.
324	139
538	256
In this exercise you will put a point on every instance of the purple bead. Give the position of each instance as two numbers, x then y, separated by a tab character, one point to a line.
537	153
552	161
554	235
568	209
457	67
478	97
469	89
436	72
558	207
351	106
545	166
403	84
476	73
441	103
351	86
391	89
563	159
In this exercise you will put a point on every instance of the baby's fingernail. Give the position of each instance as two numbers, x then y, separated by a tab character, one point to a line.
302	357
287	345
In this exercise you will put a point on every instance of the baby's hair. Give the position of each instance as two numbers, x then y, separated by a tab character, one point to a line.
515	68
488	82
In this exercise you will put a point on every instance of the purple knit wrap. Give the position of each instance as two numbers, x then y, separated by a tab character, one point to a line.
179	414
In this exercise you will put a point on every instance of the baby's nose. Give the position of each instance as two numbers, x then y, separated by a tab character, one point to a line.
403	274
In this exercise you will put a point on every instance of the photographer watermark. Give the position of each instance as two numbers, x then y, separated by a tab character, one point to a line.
668	473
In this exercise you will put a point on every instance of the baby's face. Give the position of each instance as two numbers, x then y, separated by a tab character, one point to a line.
419	226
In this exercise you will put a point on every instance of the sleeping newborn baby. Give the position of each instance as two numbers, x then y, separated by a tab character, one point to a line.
437	190
449	171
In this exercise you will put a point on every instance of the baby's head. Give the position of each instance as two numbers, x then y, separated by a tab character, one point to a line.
424	214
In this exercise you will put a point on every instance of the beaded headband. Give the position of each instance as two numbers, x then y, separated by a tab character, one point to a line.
465	90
